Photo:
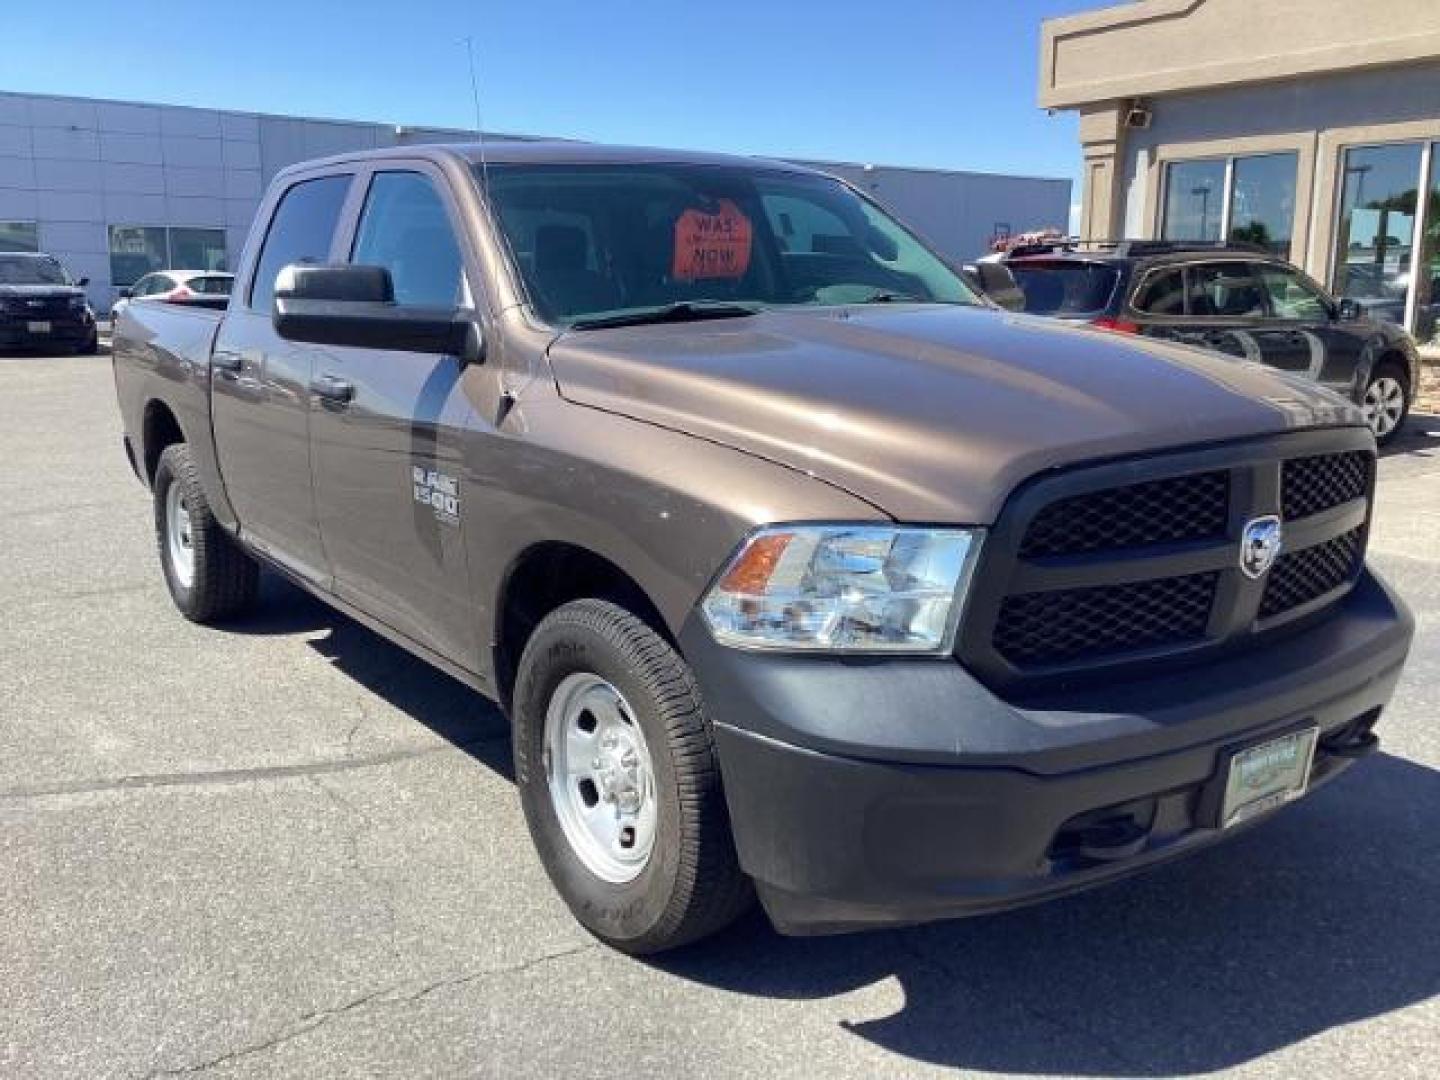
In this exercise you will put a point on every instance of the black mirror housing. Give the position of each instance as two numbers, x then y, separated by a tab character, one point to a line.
83	282
355	306
126	294
1348	310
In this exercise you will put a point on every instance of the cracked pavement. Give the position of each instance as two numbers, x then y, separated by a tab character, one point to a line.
289	849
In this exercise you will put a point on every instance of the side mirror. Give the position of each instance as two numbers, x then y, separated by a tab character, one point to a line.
1349	310
355	306
83	282
882	246
125	294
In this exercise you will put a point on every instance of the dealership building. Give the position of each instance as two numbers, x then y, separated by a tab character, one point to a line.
118	189
1308	126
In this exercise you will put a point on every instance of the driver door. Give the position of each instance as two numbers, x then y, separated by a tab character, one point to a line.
388	427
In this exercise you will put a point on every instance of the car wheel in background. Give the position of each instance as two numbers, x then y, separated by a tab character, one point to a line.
1386	401
619	781
209	576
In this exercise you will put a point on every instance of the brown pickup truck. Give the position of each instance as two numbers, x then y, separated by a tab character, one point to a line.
799	570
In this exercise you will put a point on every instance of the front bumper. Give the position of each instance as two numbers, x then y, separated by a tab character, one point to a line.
15	333
870	793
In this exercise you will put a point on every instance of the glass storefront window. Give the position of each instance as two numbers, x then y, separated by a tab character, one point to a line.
1262	201
1427	279
1375	237
197	249
137	250
1194	200
1250	199
19	236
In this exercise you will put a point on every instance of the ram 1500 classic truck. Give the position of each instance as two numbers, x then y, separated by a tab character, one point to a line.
799	570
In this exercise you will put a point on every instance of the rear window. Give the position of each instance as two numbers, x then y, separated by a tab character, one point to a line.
212	284
1065	288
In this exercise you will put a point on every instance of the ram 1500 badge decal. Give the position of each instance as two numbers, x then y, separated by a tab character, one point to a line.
438	491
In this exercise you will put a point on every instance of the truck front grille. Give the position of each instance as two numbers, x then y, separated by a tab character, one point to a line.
1049	627
1156	512
1311	485
1302	576
1101	566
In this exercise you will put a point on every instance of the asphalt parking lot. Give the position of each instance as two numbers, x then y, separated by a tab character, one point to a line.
289	849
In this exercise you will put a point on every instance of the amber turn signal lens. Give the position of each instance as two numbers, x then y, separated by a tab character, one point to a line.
750	573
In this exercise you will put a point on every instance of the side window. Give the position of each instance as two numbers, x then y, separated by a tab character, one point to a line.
300	231
142	287
405	229
1226	290
1291	296
1161	293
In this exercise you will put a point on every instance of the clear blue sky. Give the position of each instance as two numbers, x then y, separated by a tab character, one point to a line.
948	83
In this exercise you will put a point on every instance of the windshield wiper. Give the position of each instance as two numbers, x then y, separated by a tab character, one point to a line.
884	297
681	311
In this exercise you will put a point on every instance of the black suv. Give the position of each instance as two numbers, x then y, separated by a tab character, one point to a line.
1232	298
41	306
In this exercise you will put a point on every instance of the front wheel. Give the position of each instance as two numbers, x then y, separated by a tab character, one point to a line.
208	575
619	781
1386	402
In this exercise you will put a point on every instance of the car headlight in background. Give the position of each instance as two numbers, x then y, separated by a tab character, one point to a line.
844	589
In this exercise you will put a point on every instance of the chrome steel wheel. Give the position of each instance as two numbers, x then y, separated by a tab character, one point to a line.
1384	405
179	540
600	776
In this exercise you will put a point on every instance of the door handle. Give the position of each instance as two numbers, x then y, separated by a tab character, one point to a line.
226	361
331	388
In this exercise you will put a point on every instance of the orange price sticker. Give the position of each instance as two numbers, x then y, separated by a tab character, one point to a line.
712	245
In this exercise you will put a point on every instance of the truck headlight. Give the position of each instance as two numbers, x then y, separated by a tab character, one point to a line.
844	589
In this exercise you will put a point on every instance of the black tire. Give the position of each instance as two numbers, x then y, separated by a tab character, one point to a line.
692	885
91	347
1391	370
225	579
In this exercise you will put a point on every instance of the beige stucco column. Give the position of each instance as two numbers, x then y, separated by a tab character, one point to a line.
1102	140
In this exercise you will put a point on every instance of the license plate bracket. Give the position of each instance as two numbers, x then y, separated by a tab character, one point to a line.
1260	775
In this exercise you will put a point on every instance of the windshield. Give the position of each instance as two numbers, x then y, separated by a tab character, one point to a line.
29	270
596	240
1065	288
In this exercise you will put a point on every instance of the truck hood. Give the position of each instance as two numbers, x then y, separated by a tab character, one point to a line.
929	413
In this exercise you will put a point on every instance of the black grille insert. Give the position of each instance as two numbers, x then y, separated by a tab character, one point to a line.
1057	627
1301	576
1173	510
1311	485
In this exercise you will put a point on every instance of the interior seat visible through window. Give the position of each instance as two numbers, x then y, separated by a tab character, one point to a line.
562	262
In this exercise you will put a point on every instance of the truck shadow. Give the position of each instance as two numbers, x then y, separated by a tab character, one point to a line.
1326	915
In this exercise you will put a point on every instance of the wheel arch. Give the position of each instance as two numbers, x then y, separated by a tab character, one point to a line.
541	578
160	428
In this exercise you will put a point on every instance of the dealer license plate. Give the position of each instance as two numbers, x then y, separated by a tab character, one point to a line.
1268	775
38	327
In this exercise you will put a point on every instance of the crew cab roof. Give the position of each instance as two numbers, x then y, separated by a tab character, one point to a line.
555	152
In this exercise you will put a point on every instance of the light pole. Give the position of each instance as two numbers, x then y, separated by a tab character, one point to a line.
1204	192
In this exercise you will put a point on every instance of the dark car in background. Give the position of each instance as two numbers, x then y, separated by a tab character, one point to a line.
1231	298
41	306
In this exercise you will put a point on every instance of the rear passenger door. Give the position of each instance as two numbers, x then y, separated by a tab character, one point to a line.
389	456
260	384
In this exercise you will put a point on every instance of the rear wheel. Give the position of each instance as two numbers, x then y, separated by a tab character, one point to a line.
619	782
1386	401
209	576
